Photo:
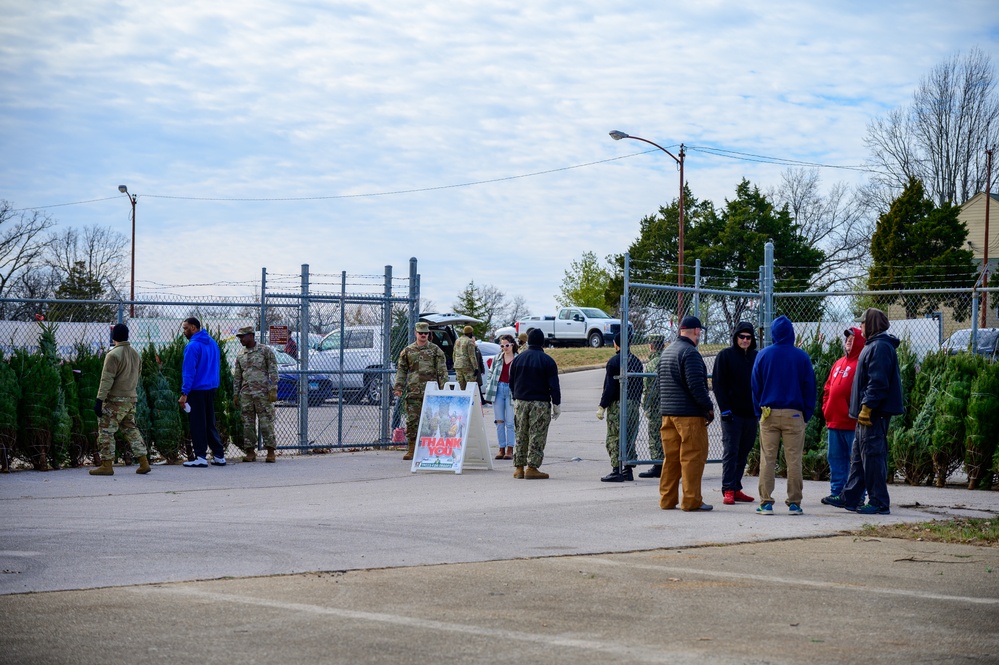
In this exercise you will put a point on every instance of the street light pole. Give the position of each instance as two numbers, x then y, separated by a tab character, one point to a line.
617	136
132	199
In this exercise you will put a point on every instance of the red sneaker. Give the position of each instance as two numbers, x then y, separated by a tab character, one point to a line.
728	497
744	498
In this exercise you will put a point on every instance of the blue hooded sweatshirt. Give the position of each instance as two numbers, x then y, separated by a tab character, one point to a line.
783	377
201	364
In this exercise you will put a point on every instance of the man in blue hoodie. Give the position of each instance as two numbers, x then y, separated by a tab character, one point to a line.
784	400
200	378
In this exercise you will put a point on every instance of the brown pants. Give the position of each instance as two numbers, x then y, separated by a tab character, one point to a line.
789	425
685	450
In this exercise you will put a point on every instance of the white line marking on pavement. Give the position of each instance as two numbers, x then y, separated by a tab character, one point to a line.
618	649
675	570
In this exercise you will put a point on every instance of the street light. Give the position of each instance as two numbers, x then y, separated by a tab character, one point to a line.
132	199
617	136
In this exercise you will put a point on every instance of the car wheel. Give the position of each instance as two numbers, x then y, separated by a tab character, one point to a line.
373	389
596	340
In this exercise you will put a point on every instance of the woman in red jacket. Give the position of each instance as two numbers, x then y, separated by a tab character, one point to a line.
835	408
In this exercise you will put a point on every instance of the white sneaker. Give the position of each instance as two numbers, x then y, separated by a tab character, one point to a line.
197	461
218	461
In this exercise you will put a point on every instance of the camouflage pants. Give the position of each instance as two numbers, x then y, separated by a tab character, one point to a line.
613	441
655	438
464	376
531	420
119	412
256	408
414	404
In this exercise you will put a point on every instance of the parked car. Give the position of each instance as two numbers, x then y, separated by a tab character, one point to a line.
506	330
444	334
362	373
489	350
320	387
988	342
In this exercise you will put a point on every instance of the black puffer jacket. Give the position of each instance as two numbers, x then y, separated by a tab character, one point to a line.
683	381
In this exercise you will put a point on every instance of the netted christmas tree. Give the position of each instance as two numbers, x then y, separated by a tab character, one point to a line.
77	444
982	427
171	365
88	365
10	395
948	439
165	428
143	415
39	381
227	416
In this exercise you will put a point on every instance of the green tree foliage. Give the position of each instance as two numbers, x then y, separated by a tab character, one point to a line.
982	428
39	381
227	417
81	285
10	396
77	443
918	245
948	439
585	285
166	430
89	365
470	302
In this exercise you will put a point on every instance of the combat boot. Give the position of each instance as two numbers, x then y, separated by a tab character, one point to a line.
530	473
250	455
518	472
270	456
143	465
410	450
105	469
655	471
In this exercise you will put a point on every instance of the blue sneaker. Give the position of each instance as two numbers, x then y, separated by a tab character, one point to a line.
869	509
795	509
765	508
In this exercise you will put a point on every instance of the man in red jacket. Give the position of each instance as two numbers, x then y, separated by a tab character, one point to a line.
835	409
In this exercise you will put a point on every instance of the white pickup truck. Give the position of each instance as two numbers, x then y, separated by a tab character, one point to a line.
574	326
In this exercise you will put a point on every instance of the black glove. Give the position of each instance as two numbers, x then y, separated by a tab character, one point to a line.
710	416
99	408
726	416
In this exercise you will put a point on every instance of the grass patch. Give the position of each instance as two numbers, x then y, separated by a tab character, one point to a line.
567	358
967	531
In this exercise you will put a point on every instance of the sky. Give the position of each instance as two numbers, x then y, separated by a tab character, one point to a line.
471	135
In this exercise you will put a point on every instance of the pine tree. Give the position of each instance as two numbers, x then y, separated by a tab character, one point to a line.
982	428
10	395
77	440
947	441
89	366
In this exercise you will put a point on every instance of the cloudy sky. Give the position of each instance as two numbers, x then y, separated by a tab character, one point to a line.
470	135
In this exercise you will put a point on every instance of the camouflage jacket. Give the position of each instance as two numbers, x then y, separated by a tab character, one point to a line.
417	365
464	354
256	371
651	398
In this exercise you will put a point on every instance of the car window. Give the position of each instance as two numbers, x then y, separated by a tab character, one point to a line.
283	358
564	314
594	313
361	339
331	342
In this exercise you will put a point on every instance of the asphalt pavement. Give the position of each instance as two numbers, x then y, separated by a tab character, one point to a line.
349	557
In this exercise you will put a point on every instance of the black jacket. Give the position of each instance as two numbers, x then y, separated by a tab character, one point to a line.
683	381
732	376
612	382
534	377
877	382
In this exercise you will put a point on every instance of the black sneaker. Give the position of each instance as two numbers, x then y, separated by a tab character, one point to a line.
615	476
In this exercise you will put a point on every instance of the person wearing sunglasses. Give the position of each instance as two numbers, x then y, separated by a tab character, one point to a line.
419	363
497	391
731	381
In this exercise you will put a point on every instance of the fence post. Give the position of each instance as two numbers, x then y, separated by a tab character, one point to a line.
622	454
697	285
303	353
974	319
265	337
383	386
767	291
414	301
121	312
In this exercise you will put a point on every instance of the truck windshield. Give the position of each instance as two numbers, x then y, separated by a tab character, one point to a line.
594	313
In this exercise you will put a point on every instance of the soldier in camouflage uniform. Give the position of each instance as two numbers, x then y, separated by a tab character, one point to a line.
650	404
419	363
610	406
115	406
254	389
466	362
535	387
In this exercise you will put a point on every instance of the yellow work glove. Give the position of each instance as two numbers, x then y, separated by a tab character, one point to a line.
766	413
272	395
600	412
865	416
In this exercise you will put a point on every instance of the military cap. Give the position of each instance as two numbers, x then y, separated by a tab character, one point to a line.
245	330
423	327
468	330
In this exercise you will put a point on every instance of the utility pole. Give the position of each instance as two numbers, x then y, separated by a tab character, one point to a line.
985	248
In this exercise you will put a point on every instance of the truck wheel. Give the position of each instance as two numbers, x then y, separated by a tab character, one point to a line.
596	339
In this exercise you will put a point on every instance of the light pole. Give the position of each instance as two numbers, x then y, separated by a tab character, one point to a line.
617	136
132	199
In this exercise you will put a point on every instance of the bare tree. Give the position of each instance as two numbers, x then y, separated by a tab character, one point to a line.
100	249
941	137
516	310
839	223
23	241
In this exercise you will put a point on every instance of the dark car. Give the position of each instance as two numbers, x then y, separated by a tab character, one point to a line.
320	386
988	342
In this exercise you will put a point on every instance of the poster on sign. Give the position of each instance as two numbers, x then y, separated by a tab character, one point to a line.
452	432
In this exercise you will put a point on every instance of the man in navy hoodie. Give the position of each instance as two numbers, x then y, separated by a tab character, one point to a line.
200	378
784	400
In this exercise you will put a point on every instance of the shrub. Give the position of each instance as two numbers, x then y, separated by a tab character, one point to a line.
982	426
10	395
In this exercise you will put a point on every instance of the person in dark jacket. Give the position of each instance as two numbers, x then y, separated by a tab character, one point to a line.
538	398
686	409
784	399
731	381
836	410
610	405
875	398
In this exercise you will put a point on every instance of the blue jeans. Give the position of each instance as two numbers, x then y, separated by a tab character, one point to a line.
869	465
738	438
503	414
840	446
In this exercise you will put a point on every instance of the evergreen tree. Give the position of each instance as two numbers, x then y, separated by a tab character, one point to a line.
585	284
10	395
89	366
77	440
81	285
947	443
919	245
982	428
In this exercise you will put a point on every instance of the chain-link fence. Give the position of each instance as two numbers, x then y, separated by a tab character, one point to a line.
334	336
926	321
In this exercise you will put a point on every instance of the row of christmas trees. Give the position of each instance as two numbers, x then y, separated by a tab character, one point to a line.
46	404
